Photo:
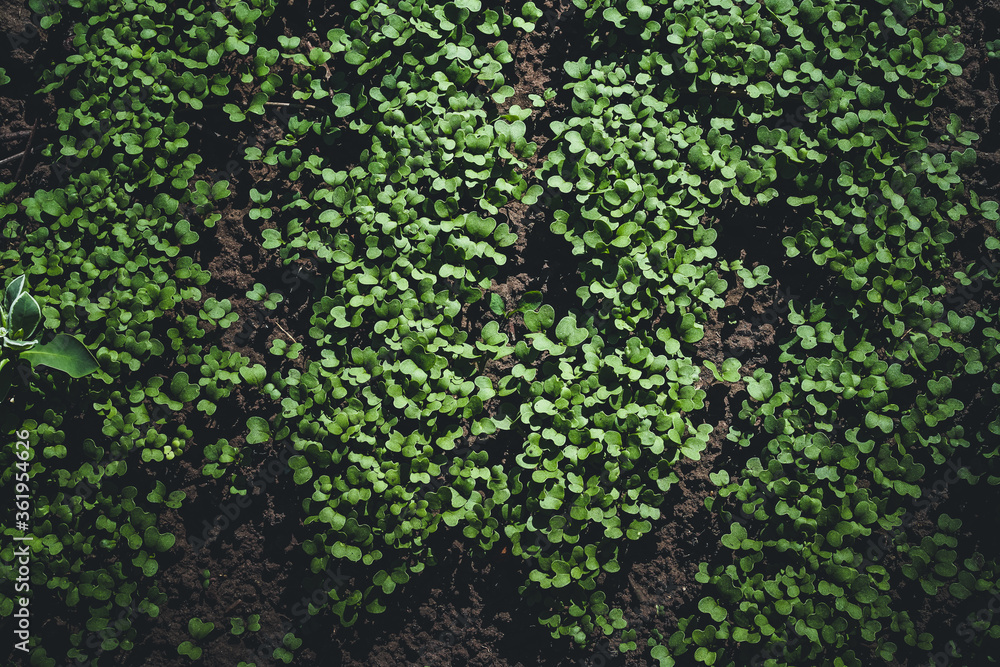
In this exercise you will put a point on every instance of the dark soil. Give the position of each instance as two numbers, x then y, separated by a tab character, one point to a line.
464	610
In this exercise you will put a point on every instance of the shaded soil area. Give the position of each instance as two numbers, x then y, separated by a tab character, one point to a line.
465	609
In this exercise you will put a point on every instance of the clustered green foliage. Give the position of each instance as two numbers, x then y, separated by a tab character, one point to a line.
105	252
400	386
868	378
406	236
403	150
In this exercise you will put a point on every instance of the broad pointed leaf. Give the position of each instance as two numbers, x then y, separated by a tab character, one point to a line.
64	353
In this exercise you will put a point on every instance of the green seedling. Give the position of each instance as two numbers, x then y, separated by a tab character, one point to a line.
259	293
173	449
190	650
159	495
289	643
200	629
